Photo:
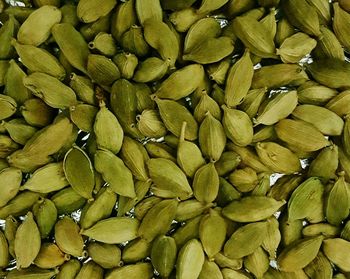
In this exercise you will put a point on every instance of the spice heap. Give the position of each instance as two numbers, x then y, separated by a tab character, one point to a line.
138	139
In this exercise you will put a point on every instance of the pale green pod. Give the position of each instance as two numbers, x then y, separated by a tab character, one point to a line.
27	242
205	52
79	171
206	183
19	130
184	19
11	226
123	18
227	193
190	208
135	156
67	201
98	209
90	30
295	13
190	260
4	65
325	229
8	106
10	180
162	214
238	126
45	213
315	94
143	206
302	135
69	269
212	138
132	271
340	25
326	121
90	270
39	60
115	173
252	209
14	86
47	179
337	203
189	156
31	272
36	29
127	63
279	75
169	178
163	255
69	14
150	124
200	31
83	116
4	251
123	101
278	158
149	9
126	204
102	70
133	41
208	6
252	101
84	88
245	240
210	270
325	164
104	43
212	224
173	115
219	70
336	250
50	90
295	47
7	32
50	256
181	83
239	79
90	11
299	254
72	44
136	250
19	205
255	36
277	108
328	46
284	30
306	199
206	103
330	72
257	262
340	103
106	255
159	36
320	267
68	238
113	230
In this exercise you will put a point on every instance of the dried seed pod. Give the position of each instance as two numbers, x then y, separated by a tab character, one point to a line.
295	11
306	249
163	255
90	11
212	138
36	29
68	238
27	233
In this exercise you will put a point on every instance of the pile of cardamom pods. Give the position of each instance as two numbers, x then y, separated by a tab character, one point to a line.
175	139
